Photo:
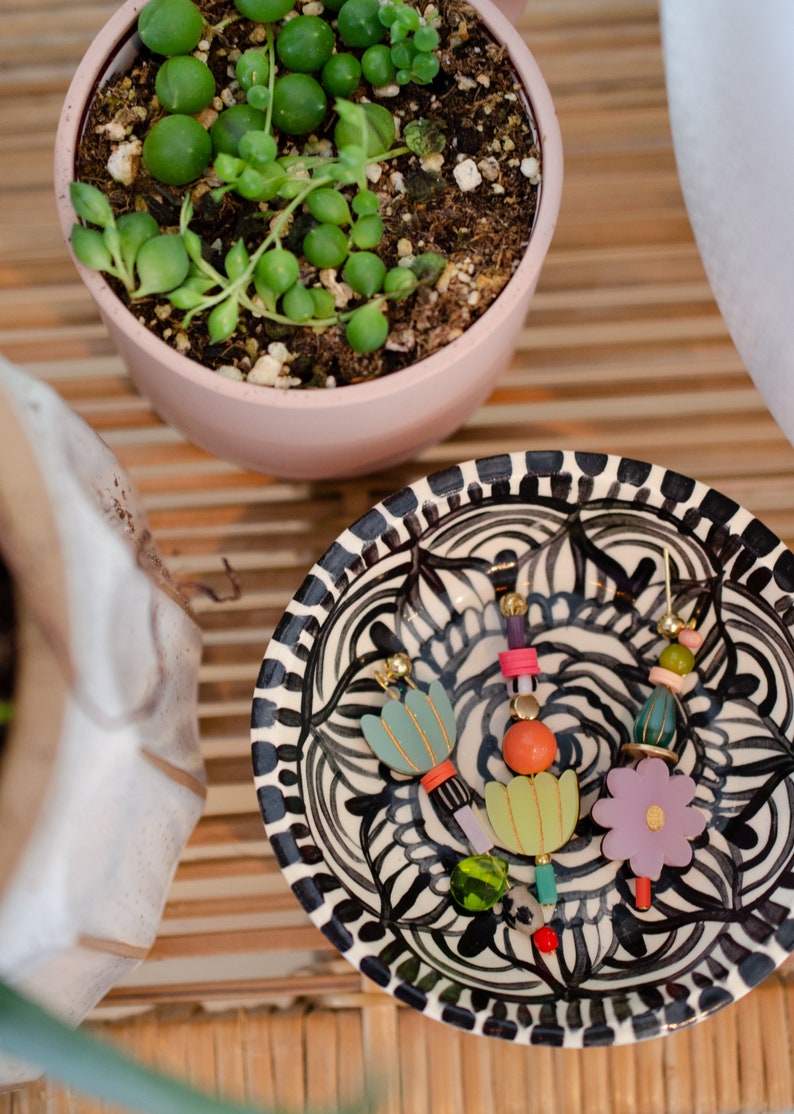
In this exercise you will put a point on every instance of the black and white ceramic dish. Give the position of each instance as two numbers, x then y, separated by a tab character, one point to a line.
583	536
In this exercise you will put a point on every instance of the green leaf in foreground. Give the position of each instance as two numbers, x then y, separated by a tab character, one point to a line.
95	1067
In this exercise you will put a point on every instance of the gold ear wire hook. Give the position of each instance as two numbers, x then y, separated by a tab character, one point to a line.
670	624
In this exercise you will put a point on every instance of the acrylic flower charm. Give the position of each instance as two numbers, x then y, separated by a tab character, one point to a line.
650	817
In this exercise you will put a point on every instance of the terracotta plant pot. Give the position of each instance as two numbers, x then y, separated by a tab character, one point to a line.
101	779
321	433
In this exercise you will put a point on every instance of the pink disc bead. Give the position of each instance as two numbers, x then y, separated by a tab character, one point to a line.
515	662
659	676
692	639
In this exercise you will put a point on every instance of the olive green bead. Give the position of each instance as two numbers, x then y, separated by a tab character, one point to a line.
677	658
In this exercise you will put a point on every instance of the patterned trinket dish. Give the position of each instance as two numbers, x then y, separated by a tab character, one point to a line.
367	852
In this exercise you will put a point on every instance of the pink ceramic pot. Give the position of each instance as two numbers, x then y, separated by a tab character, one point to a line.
322	433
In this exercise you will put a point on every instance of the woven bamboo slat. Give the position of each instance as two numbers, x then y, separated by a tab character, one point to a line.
625	352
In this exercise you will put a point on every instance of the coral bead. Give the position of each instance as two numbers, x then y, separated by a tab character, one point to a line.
546	940
677	658
529	747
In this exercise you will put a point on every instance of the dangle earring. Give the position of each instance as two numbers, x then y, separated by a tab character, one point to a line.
414	735
535	813
648	811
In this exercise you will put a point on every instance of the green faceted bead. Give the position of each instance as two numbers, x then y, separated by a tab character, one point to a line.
655	722
677	658
478	882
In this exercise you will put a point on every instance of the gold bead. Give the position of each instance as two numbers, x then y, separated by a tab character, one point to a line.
670	625
524	706
398	667
513	603
542	860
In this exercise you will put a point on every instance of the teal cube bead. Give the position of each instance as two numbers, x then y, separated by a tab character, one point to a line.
545	883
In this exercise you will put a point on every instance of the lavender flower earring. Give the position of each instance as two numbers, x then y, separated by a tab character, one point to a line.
648	812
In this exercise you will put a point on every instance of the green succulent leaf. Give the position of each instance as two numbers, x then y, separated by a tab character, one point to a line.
364	272
367	232
162	264
366	125
323	302
228	167
365	202
193	246
223	319
400	282
236	260
328	206
277	270
424	137
258	96
367	329
185	297
428	266
90	204
298	304
134	229
352	165
88	245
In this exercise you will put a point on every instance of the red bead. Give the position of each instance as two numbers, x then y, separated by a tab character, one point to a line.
546	939
642	894
529	746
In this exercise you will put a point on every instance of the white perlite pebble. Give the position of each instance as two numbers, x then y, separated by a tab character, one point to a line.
530	168
467	175
123	164
279	351
265	371
229	371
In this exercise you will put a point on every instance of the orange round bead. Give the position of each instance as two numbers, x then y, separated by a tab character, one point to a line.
529	746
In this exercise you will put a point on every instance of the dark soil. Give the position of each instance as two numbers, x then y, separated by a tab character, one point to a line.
7	649
481	232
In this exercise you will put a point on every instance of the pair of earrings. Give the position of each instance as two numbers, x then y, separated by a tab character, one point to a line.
534	814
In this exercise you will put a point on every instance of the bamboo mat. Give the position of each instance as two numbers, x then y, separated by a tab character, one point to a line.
624	352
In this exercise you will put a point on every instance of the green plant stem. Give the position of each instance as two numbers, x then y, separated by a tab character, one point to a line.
271	77
93	1066
271	315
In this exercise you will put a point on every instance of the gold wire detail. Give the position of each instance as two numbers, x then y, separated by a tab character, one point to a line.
670	624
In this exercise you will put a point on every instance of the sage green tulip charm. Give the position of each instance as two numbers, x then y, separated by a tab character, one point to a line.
535	815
